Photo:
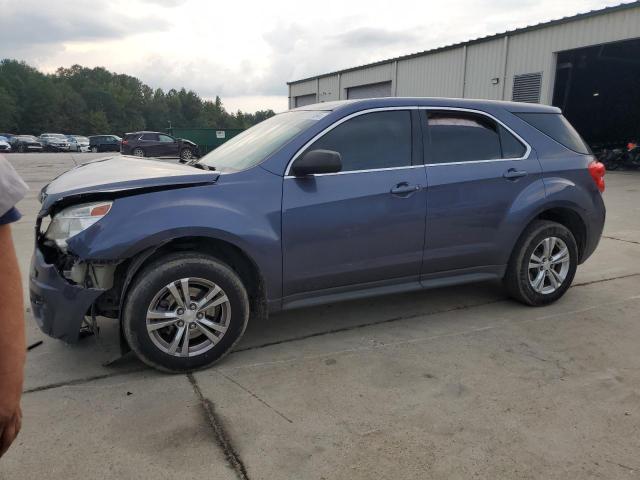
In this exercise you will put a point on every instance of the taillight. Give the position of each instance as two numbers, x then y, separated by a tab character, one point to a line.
597	171
125	142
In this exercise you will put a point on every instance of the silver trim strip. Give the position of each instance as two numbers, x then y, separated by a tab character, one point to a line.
382	109
348	172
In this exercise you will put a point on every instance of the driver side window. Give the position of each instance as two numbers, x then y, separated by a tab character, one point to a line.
371	141
165	138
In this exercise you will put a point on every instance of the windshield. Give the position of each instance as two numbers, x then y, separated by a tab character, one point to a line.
28	138
255	144
81	139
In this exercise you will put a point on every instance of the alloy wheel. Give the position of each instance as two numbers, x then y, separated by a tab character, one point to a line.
186	155
549	265
188	317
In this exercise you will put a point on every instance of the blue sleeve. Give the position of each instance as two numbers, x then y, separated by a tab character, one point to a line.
13	215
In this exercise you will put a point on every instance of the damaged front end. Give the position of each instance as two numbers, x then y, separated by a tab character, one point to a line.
70	285
65	289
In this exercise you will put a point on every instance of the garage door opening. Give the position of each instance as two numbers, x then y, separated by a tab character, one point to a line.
598	89
372	90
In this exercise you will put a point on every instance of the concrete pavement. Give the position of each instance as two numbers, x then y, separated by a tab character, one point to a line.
450	383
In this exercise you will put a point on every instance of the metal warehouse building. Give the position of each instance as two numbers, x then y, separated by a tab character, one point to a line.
588	65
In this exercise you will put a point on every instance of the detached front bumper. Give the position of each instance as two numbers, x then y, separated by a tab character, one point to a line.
58	307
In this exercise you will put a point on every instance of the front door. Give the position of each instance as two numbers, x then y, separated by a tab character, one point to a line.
477	173
364	225
167	146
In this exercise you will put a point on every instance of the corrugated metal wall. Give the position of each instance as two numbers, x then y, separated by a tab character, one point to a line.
436	75
471	70
485	61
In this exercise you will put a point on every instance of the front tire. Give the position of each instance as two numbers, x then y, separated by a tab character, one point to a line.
185	312
94	149
186	155
543	264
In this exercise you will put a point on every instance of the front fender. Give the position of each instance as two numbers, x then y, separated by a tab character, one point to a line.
243	209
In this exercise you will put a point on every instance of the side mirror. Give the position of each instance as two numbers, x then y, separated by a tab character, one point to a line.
317	161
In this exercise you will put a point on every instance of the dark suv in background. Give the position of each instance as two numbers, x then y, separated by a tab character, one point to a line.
329	202
104	143
158	144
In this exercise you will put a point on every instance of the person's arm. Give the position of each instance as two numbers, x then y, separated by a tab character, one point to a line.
12	341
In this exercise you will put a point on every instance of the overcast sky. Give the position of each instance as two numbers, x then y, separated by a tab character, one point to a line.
246	51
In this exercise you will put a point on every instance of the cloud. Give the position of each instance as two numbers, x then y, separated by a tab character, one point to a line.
31	28
368	37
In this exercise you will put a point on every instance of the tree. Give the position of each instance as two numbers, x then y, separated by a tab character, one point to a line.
84	100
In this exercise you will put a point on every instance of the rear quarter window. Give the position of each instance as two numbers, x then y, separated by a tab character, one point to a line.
558	128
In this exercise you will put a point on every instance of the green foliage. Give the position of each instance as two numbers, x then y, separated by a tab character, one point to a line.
92	101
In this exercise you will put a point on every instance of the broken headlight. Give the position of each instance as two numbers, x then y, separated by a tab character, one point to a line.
73	220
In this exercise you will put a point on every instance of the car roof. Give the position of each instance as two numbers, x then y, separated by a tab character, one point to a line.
475	104
144	131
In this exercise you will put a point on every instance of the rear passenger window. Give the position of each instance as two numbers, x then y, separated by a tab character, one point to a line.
465	137
153	137
511	146
371	141
557	127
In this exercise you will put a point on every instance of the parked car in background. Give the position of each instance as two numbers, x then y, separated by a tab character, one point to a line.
5	146
25	143
328	202
54	142
158	144
78	143
104	143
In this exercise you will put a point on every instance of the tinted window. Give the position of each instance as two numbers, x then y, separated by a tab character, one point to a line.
511	146
461	137
558	128
165	138
372	140
153	137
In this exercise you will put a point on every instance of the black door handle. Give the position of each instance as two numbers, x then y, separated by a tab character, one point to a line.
513	174
405	189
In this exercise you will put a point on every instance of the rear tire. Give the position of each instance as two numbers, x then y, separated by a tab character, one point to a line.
138	152
152	297
94	149
538	272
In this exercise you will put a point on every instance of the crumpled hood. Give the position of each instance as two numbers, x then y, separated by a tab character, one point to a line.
118	175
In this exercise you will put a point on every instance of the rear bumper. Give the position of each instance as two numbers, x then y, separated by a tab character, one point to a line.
595	226
58	307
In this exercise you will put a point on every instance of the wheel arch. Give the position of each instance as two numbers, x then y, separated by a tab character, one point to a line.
230	254
565	215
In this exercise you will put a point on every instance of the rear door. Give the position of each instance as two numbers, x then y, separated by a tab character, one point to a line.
150	144
365	224
477	169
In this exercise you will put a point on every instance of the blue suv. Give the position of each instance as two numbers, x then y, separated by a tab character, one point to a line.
328	202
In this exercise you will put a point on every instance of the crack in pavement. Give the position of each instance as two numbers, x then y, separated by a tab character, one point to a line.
621	239
364	325
84	380
407	317
221	436
255	396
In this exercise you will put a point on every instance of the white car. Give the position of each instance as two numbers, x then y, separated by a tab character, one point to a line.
78	143
5	146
